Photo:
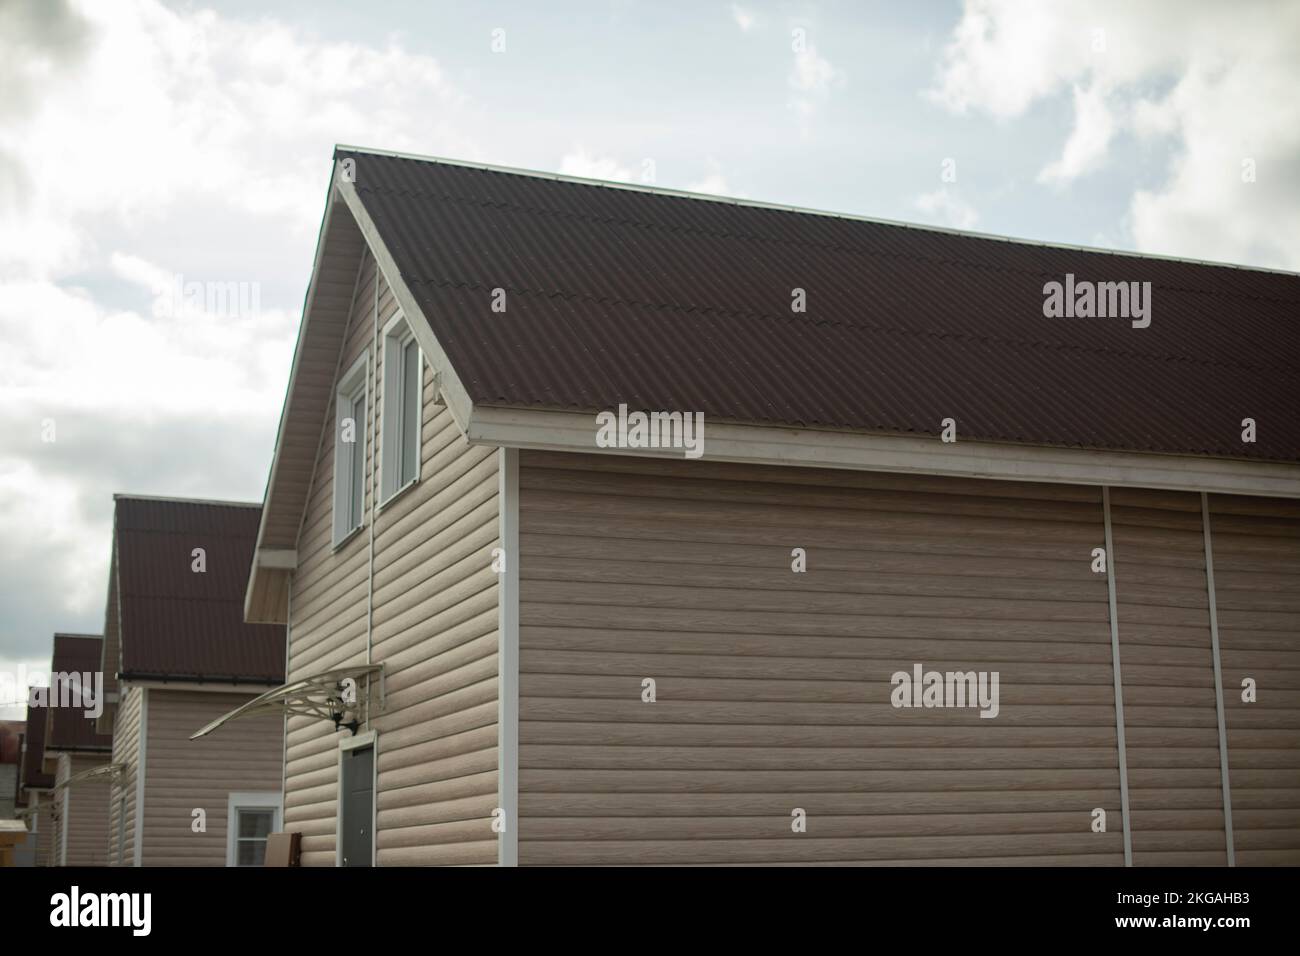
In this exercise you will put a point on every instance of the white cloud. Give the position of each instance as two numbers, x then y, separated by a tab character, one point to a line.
811	72
947	209
579	162
145	150
811	75
1086	148
715	184
743	18
1228	76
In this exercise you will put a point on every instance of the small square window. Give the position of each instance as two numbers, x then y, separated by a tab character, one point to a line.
252	818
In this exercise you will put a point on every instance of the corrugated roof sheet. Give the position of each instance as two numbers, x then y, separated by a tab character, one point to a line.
70	728
667	302
181	624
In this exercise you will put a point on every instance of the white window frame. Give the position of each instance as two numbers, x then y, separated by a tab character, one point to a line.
354	383
397	335
250	800
367	738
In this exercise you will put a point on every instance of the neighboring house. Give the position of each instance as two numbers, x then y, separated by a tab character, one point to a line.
34	790
77	754
630	656
177	654
12	733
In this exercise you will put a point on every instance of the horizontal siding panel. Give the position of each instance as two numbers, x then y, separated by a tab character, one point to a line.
429	614
770	682
1257	582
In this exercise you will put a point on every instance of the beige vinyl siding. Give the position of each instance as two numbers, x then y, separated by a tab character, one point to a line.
44	834
327	612
434	629
182	775
773	688
1256	544
126	753
1167	663
85	804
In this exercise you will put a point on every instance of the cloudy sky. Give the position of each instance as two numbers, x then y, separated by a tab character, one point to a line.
145	145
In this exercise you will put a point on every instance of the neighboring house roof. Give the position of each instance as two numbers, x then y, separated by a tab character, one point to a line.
669	302
34	776
68	727
175	623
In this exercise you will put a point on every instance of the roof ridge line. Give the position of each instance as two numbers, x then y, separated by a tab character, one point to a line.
787	207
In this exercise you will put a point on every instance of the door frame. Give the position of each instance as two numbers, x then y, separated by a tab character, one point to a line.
369	738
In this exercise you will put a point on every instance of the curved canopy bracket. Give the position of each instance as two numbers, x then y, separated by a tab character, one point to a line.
329	695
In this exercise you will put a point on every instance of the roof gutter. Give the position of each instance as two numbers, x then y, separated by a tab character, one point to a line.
140	676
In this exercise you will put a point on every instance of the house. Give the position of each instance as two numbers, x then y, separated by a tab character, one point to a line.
34	786
77	753
614	525
12	733
13	800
176	654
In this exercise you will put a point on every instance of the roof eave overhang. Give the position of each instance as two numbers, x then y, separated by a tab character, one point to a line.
273	564
268	578
569	431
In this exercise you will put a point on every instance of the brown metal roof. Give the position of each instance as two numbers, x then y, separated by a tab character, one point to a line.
668	302
33	772
179	624
69	727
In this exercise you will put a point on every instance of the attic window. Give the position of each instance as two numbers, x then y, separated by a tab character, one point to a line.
350	450
399	456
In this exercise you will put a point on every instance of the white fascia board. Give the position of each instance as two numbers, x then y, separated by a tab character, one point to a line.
813	448
284	559
458	400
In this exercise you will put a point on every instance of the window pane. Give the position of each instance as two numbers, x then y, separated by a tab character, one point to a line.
410	408
357	490
251	853
255	823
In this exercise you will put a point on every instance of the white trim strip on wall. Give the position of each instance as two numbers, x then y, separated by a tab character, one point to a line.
508	658
1119	688
65	802
139	776
824	448
1218	679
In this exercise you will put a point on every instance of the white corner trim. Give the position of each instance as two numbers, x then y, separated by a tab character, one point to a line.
250	800
458	400
816	448
1119	683
508	658
1218	681
141	753
63	806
